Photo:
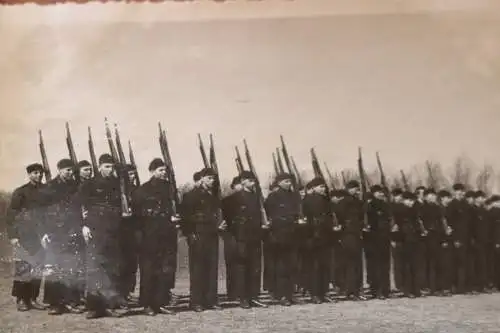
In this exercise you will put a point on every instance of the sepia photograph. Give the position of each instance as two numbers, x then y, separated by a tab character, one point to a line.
249	166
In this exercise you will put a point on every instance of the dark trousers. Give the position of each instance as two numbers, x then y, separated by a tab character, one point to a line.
247	269
352	249
496	268
129	245
369	250
432	264
397	264
229	260
381	265
269	266
285	268
203	257
411	260
460	267
317	265
28	287
446	273
337	276
481	266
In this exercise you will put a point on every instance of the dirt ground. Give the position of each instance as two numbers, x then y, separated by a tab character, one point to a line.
430	314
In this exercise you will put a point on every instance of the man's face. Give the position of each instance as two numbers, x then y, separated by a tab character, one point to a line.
420	194
158	173
431	197
409	202
495	204
131	175
379	195
66	173
285	184
445	201
86	172
35	176
237	187
302	193
480	201
398	198
248	184
106	170
354	191
208	181
459	194
320	189
336	199
470	200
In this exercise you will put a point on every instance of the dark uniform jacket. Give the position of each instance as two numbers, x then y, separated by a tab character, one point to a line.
483	227
379	217
319	215
246	217
458	213
283	208
408	223
432	217
350	213
200	210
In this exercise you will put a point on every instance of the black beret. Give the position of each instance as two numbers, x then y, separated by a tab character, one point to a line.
315	182
247	175
83	163
130	167
397	191
236	180
338	193
206	172
376	188
458	187
479	194
494	198
429	191
106	159
420	188
352	184
444	193
470	194
155	164
65	163
409	195
282	176
34	167
196	176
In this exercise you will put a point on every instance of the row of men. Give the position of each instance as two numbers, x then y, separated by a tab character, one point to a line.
309	241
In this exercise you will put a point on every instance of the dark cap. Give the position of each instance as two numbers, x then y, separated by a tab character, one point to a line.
282	176
83	163
236	180
458	187
479	194
34	167
429	191
444	193
352	184
315	182
338	193
65	163
420	188
196	176
470	194
376	188
106	159
494	198
397	191
130	167
409	195
247	175
155	164
206	172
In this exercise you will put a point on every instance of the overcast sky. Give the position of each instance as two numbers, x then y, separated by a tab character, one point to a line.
412	86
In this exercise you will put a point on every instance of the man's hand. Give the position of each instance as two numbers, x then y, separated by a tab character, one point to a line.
425	233
337	228
176	218
85	213
449	231
366	228
15	242
457	244
45	241
87	235
395	228
393	244
301	221
223	225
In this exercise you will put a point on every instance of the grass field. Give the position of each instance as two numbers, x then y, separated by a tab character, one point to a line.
430	314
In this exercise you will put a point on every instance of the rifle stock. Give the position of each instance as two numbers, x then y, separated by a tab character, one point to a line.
45	161
93	157
265	220
203	152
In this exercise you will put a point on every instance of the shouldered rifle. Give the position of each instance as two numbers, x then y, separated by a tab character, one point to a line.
280	162
405	181
45	161
275	165
300	182
330	176
288	163
383	180
71	151
132	162
172	183
93	157
239	161
203	152
364	190
263	214
122	176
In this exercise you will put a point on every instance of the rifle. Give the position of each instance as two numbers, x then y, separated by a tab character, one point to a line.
213	165
383	180
132	162
259	188
45	162
122	176
239	161
344	180
202	151
364	190
93	158
71	150
280	162
275	164
431	181
286	157
300	183
119	147
330	176
405	181
315	164
165	152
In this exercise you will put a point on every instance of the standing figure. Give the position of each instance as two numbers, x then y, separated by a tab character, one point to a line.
396	239
100	198
318	234
152	204
283	208
483	242
23	222
200	211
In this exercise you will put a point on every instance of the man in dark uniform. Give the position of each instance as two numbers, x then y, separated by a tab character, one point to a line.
152	203
228	207
471	271
396	239
283	208
129	242
23	219
422	263
337	275
318	234
380	230
200	211
269	260
431	215
350	214
84	170
245	227
62	238
408	223
458	219
446	258
482	242
100	198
